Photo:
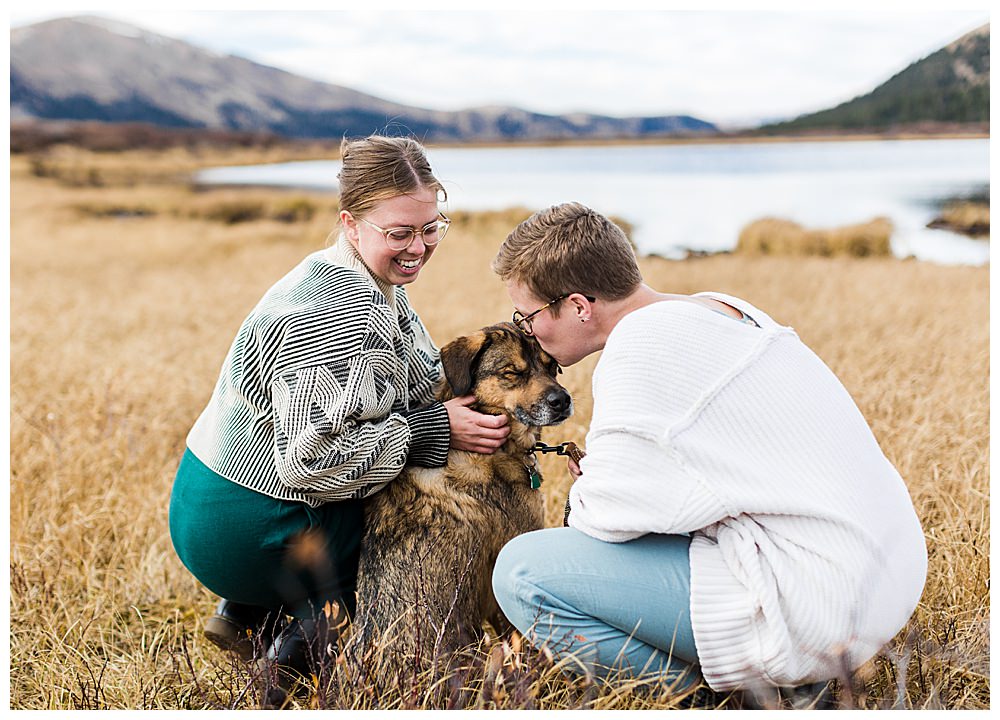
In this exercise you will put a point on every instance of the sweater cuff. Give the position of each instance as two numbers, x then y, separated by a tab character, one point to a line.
430	435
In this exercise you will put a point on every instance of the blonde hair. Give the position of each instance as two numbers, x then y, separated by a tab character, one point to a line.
377	168
569	248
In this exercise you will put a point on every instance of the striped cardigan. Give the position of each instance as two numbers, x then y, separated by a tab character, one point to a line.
328	388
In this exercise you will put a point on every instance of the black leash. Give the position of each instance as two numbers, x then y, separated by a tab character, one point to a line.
569	449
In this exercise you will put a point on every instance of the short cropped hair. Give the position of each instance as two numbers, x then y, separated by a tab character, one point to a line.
569	248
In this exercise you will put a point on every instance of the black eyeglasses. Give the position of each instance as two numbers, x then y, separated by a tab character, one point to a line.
400	238
524	321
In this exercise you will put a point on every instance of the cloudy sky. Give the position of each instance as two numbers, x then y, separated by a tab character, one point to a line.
726	66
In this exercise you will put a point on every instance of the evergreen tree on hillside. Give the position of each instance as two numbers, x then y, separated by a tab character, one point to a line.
950	85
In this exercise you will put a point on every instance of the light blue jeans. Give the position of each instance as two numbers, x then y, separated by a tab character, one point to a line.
606	609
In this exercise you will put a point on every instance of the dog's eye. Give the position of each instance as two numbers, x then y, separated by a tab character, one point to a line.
513	373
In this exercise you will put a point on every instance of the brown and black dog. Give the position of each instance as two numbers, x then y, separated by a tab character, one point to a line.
432	535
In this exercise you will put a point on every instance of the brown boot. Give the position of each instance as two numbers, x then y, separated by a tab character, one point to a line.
243	629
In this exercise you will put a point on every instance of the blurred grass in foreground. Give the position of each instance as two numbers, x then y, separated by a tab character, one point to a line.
119	324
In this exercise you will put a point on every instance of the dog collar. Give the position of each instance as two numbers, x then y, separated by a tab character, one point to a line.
531	466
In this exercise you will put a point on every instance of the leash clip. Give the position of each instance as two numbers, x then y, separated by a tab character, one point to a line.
569	449
560	449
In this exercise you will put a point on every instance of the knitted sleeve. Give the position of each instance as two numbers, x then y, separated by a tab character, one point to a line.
430	435
634	482
336	433
632	485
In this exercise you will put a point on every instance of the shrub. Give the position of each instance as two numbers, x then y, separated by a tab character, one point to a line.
294	210
777	236
231	212
968	218
113	210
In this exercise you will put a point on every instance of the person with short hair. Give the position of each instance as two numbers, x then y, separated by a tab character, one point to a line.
734	518
325	394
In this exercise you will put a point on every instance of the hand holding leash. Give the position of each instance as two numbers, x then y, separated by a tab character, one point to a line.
575	454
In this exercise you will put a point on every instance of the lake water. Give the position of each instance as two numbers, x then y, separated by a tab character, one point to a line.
698	197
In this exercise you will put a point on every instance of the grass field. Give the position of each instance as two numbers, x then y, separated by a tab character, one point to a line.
119	324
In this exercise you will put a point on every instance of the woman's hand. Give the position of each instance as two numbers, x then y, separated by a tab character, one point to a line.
475	431
574	468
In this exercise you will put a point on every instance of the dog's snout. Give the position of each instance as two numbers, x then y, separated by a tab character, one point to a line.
558	399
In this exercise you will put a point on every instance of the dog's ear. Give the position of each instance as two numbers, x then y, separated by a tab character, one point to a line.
460	358
552	367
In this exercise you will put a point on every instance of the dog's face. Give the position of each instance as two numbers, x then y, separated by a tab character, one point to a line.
507	371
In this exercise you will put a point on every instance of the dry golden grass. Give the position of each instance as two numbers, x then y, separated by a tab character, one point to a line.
776	236
119	326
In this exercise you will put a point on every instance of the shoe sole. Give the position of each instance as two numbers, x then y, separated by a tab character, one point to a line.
229	636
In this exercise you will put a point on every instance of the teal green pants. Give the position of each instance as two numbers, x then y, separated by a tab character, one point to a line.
254	549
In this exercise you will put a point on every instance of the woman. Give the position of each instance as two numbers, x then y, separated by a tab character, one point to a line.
734	515
325	394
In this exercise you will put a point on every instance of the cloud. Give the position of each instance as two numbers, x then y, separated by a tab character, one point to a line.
721	65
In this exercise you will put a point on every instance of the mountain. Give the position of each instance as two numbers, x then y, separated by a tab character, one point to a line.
951	85
87	68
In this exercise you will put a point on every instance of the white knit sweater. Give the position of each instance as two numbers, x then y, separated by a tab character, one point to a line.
806	552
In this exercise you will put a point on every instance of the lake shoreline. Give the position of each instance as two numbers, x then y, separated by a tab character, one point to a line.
39	138
696	197
322	150
721	139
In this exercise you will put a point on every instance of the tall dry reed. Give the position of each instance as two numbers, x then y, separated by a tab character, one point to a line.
118	328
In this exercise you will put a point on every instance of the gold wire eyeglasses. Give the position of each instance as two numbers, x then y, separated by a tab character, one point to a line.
400	238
